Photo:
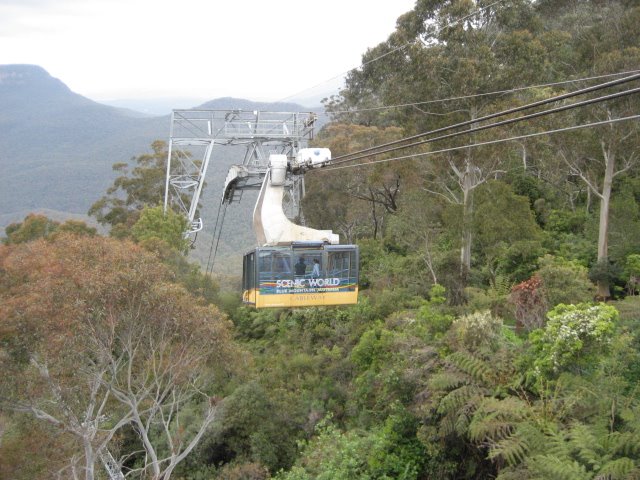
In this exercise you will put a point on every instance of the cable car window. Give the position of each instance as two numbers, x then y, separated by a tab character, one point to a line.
264	265
249	271
316	266
309	264
282	264
340	264
300	267
274	265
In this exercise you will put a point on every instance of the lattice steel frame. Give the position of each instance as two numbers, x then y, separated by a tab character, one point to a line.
195	132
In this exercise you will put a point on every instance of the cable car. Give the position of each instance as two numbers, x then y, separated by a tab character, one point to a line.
295	266
300	275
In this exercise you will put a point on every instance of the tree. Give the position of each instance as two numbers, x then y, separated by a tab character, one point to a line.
600	180
464	405
529	302
378	186
598	157
131	208
632	272
133	190
34	226
386	452
155	225
446	49
506	234
76	227
94	338
32	449
166	373
418	226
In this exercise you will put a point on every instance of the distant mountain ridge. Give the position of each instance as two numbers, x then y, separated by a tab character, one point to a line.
231	103
57	147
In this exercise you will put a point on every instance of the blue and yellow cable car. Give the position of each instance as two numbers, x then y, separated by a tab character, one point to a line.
301	274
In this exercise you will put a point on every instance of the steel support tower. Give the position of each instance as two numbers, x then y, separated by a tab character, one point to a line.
195	132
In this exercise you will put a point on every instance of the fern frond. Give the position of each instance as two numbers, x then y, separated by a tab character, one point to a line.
463	420
617	469
475	367
534	437
514	474
552	467
489	429
509	408
465	395
447	425
448	380
625	443
584	442
502	286
513	449
556	444
496	418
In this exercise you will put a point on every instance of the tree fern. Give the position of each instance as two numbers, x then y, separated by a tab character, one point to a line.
490	429
467	363
455	399
625	443
583	440
512	449
464	419
501	286
514	474
534	435
496	418
447	425
556	444
583	452
515	449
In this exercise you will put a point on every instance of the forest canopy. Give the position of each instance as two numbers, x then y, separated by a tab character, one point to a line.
497	330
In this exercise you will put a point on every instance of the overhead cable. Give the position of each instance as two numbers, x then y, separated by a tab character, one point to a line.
211	259
488	142
376	149
502	123
464	97
215	252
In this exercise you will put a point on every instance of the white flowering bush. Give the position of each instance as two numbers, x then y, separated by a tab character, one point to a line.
477	329
574	334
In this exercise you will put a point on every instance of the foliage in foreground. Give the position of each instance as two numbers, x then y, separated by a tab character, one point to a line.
95	339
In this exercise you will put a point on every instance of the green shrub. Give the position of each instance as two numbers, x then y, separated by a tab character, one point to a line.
564	281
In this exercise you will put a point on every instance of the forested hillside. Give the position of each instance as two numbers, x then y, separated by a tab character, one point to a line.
497	333
57	147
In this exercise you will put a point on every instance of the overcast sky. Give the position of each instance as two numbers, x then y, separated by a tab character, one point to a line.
256	49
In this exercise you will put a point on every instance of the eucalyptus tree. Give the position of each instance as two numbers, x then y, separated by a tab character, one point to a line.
94	338
455	50
599	156
140	184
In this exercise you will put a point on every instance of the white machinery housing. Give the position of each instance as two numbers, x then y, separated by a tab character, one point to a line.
270	223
